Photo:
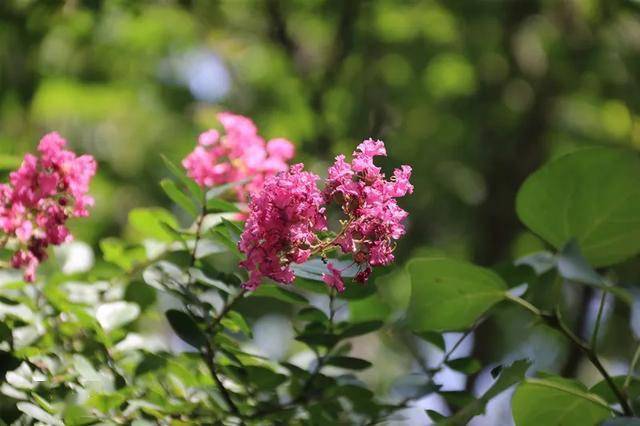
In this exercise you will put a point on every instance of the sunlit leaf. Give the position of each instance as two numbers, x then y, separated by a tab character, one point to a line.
592	195
450	295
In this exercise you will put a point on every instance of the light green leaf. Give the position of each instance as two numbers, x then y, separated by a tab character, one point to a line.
179	197
148	222
450	294
556	401
38	413
592	195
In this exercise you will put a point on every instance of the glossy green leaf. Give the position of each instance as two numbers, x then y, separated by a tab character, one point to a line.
348	362
450	294
186	328
556	401
592	195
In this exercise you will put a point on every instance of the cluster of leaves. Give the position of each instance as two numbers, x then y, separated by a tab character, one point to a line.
586	205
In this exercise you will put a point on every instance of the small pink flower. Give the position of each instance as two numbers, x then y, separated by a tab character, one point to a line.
284	218
334	279
240	154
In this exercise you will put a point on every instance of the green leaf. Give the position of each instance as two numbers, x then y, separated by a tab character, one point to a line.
348	362
434	338
592	195
574	267
152	222
178	197
557	401
450	295
236	323
465	365
358	329
38	413
179	173
265	378
77	415
509	376
151	362
276	292
603	390
218	205
435	416
318	339
186	328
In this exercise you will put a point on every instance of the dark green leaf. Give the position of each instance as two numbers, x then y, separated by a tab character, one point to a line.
466	365
186	328
434	338
361	328
348	362
603	390
150	362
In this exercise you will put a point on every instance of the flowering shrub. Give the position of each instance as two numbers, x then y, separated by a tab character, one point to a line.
76	348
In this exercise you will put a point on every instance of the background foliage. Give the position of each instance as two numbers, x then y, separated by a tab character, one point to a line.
475	95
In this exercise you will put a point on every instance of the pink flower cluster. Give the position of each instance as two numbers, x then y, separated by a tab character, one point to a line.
287	214
375	220
281	229
240	154
41	195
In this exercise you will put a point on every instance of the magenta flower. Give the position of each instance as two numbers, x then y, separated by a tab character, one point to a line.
288	212
374	219
41	195
333	279
240	154
283	221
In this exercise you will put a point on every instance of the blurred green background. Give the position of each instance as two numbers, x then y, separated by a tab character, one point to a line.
475	95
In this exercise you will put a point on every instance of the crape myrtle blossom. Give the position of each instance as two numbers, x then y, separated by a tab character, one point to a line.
282	225
375	221
39	198
237	155
287	214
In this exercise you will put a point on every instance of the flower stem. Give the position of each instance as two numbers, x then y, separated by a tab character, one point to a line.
632	367
555	321
596	327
